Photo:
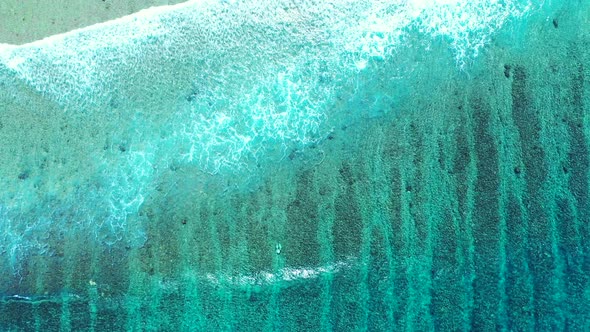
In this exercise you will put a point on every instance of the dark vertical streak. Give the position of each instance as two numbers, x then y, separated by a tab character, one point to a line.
540	239
446	277
377	281
575	230
420	284
303	248
301	306
518	288
417	187
51	310
259	250
486	222
347	227
346	309
460	171
460	165
397	244
14	317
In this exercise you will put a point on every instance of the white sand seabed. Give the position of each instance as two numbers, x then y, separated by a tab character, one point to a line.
27	21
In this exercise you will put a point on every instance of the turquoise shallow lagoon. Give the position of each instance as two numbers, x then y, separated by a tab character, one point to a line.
300	166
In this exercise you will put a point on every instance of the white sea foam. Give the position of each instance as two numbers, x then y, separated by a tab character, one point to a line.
264	75
361	28
285	276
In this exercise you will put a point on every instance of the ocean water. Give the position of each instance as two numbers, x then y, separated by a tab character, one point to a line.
241	165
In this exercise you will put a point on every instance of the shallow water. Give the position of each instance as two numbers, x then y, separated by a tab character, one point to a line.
241	165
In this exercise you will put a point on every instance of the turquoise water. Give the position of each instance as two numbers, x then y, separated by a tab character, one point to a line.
300	166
